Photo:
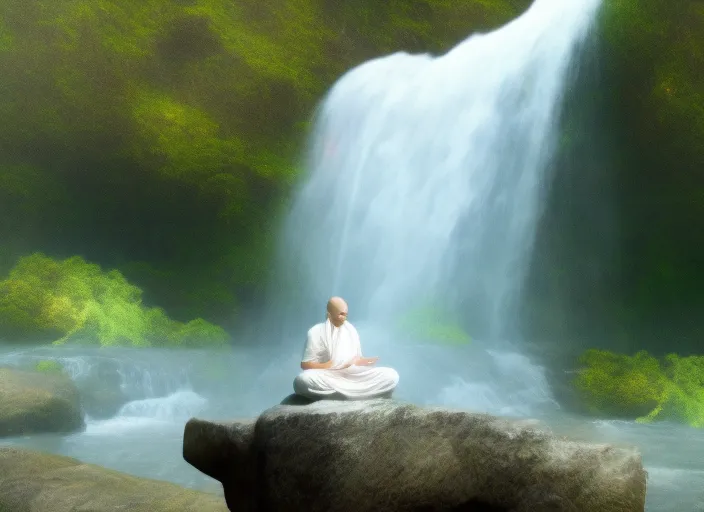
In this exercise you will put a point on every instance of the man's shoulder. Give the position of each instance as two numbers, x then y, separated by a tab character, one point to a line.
317	329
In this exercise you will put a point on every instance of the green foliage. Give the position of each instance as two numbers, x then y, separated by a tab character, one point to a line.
282	43
120	28
654	69
49	366
642	387
686	395
656	53
434	325
182	140
232	75
621	385
76	300
425	26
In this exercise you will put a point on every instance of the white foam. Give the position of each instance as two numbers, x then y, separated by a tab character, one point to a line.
175	407
150	414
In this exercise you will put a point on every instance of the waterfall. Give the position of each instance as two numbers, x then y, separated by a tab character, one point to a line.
426	178
425	174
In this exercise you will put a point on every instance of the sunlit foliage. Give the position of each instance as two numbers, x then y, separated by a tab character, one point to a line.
642	387
183	141
78	301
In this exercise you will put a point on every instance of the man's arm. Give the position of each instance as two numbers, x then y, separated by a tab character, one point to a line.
365	361
316	351
312	365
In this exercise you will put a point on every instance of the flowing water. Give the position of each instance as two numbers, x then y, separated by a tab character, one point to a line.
159	390
426	183
427	174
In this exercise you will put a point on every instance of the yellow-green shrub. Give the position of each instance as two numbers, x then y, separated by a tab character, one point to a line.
642	387
76	300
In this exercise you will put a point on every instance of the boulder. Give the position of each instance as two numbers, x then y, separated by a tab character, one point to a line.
102	402
383	455
101	390
37	482
38	402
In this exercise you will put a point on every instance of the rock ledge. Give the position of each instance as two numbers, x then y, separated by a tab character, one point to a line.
383	455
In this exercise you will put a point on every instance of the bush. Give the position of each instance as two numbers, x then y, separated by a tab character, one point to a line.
76	300
643	388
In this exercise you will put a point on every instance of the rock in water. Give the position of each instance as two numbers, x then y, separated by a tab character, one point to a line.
37	402
36	482
382	455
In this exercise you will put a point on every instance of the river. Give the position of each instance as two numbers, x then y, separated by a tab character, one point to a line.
163	389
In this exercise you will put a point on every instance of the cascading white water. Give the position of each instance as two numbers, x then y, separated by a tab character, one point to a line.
426	173
425	187
122	383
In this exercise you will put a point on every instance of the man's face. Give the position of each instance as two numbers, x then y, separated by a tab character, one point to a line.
338	314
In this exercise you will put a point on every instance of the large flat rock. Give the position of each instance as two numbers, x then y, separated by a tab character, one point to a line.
383	455
38	482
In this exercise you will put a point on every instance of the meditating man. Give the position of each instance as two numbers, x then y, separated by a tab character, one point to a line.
333	366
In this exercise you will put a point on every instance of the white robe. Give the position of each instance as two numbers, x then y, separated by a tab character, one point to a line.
340	345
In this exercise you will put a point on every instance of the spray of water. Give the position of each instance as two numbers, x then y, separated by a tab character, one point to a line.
425	186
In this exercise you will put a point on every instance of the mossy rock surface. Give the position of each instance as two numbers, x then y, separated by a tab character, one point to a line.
36	482
38	402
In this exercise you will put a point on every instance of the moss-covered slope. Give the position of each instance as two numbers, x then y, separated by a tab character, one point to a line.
159	138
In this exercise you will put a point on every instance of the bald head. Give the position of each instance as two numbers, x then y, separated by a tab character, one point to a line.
337	311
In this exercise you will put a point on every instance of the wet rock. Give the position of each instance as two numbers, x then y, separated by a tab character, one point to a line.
38	402
383	455
101	393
